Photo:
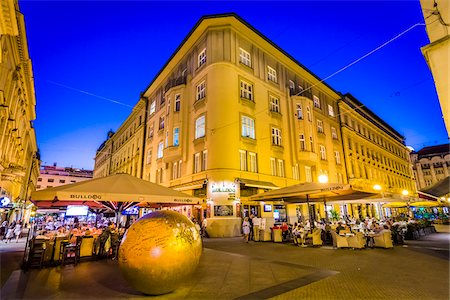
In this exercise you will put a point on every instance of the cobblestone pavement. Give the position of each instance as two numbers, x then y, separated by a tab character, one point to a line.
231	268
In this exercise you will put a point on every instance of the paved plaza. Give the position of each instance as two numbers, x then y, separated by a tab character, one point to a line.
233	269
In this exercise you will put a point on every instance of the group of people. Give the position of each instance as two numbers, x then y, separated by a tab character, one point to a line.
250	228
11	230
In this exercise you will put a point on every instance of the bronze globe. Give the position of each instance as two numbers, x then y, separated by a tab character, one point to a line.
159	251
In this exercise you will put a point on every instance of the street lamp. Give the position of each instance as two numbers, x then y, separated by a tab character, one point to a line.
405	193
377	187
323	178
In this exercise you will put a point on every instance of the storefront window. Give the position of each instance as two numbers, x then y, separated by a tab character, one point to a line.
279	213
223	210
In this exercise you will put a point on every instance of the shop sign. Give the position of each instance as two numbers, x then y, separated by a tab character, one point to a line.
183	200
228	187
333	188
4	201
90	197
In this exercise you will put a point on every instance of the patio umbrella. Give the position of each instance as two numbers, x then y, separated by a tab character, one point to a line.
426	204
117	192
395	205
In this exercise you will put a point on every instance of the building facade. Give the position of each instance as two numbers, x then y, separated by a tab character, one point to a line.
431	165
376	157
231	115
437	53
19	156
52	176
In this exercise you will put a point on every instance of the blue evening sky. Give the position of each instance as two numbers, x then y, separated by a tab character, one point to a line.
113	50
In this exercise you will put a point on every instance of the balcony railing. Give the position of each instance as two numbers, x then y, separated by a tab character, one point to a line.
175	82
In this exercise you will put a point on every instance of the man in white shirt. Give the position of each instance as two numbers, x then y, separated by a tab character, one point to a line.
256	224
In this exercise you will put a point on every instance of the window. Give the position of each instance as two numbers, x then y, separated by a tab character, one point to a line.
200	127
175	170
179	168
204	160
308	175
152	107
276	136
281	168
295	172
323	154
273	167
197	162
302	142
333	133
38	186
161	123
308	113
311	143
160	150
242	160
177	102
246	90
319	126
274	104
253	162
62	181
166	140
330	110
299	112
168	107
271	74
316	101
338	157
176	141
150	131
149	156
244	57
201	90
291	86
50	180
248	127
202	58
39	179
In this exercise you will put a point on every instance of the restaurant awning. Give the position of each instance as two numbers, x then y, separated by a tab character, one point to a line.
426	204
395	205
313	192
257	183
439	189
117	192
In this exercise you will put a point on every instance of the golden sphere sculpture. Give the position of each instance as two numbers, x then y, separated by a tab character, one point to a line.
159	251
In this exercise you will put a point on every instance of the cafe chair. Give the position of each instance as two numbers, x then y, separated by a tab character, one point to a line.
316	236
383	241
87	246
341	241
37	252
357	241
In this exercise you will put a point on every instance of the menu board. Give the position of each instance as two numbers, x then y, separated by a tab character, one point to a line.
223	210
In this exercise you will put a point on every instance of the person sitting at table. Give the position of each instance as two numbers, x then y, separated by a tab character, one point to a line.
284	231
340	228
377	228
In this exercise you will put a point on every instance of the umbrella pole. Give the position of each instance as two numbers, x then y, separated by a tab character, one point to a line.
325	209
311	222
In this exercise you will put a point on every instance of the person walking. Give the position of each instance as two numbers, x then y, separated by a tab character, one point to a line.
4	229
246	229
18	230
10	233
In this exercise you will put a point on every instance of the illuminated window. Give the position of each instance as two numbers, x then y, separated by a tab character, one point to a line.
299	112
281	168
177	102
274	104
200	127
319	126
149	156
160	150
204	160
202	58
276	136
253	162
175	170
271	74
302	142
338	157
330	110
273	166
242	160
323	154
295	172
248	127
316	101
201	90
308	175
197	163
176	141
152	107
308	113
166	141
244	57
246	90
334	133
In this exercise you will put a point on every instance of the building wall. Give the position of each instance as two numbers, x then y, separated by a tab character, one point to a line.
217	166
374	153
19	157
437	17
430	165
52	176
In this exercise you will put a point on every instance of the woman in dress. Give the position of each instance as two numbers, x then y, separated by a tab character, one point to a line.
246	228
18	230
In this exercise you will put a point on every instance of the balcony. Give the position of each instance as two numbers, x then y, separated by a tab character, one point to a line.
299	92
307	156
172	153
175	82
